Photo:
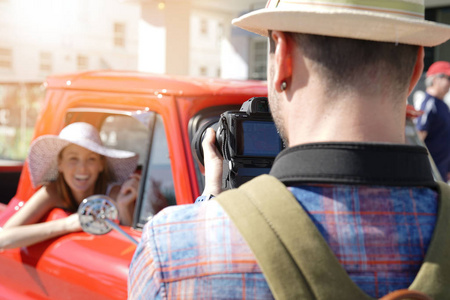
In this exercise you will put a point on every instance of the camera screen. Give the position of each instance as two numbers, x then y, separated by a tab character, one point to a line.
259	138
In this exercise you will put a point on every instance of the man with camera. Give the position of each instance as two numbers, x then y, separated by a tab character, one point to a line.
360	208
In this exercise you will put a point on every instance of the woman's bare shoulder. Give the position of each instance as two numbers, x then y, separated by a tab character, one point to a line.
49	194
42	201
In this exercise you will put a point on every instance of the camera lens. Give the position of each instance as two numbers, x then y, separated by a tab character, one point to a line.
196	145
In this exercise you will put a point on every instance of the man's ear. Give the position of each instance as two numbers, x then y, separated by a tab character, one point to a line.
282	57
418	69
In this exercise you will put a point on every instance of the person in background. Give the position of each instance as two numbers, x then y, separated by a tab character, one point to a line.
338	74
434	123
70	167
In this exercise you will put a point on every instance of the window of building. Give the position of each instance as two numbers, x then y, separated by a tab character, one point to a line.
220	30
45	61
258	59
220	33
6	58
119	35
204	27
82	62
203	71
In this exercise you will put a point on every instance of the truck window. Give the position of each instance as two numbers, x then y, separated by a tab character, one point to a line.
142	133
157	188
126	133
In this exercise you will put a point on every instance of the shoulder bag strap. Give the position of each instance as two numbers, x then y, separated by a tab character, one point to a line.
294	257
433	278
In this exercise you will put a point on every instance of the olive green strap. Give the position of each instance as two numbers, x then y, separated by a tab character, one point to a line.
296	260
433	278
294	257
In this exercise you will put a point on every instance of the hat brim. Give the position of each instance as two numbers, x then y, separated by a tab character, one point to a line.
347	24
43	161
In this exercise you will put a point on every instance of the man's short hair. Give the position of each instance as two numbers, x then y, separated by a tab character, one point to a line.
348	63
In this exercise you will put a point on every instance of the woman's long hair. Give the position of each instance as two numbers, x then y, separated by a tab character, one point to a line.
64	192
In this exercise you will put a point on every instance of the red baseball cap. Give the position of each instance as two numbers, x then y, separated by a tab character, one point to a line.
439	67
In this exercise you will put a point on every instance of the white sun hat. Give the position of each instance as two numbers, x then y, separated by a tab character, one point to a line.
43	153
397	21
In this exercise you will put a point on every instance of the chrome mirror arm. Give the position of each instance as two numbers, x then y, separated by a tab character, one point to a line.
98	215
117	227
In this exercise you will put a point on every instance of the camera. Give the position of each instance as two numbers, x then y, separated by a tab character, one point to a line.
247	139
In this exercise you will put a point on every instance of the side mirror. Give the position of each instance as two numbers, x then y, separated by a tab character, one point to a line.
98	215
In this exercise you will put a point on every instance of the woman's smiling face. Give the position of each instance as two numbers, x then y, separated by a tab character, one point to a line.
80	168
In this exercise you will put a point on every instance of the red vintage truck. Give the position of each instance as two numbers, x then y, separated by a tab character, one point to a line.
153	115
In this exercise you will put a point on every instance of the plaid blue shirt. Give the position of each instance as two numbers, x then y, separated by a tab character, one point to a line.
379	234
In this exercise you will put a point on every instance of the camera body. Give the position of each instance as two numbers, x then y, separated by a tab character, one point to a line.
248	141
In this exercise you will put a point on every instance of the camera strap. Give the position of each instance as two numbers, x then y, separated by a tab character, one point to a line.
222	131
354	163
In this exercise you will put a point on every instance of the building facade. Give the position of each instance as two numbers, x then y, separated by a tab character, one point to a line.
182	37
38	38
195	37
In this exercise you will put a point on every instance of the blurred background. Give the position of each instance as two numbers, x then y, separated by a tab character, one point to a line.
180	37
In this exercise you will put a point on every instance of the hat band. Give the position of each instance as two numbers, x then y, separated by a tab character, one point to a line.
403	8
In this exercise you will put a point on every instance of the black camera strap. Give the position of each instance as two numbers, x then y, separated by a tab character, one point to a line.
355	163
222	132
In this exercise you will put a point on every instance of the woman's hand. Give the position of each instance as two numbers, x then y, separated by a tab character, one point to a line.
72	223
125	198
128	191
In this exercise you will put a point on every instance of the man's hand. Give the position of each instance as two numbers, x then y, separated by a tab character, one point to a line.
213	164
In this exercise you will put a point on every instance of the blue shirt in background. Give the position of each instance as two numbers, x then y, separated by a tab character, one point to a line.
436	121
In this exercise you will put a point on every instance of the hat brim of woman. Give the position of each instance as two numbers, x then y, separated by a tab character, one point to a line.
346	23
43	161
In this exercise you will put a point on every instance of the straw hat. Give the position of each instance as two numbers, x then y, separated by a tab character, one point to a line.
43	154
397	21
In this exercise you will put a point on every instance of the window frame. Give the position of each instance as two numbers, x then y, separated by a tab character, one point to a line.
146	176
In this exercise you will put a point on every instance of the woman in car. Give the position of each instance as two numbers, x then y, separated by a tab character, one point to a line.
70	167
